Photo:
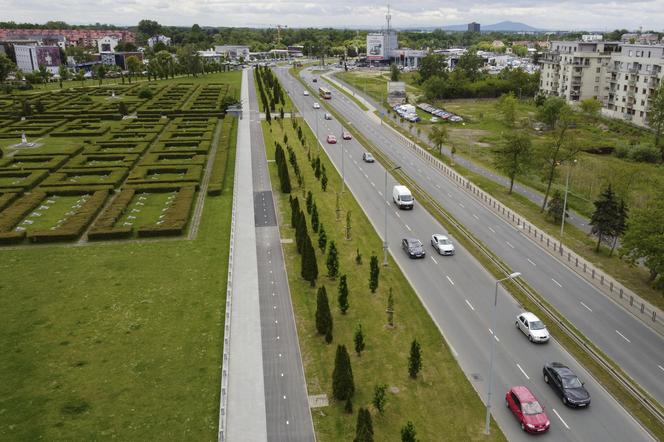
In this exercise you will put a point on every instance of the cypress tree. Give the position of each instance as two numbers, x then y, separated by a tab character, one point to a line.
343	294
605	217
310	201
295	209
415	359
322	238
364	428
374	272
358	340
379	398
314	217
323	181
301	231
317	170
332	261
348	406
343	386
309	264
285	177
323	314
268	117
408	433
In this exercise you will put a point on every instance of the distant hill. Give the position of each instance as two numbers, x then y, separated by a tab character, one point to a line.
508	26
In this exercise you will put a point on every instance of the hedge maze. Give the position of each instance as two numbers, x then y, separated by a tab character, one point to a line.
96	175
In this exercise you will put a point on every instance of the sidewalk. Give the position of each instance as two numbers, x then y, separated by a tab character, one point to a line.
245	416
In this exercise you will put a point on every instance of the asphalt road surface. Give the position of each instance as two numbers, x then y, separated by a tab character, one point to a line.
631	344
458	294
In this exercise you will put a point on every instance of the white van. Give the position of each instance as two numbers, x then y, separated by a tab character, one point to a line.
402	197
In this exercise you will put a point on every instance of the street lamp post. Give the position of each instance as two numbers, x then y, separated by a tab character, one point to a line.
317	140
343	171
562	223
493	349
386	204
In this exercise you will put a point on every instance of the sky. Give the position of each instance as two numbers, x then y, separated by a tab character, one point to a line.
545	14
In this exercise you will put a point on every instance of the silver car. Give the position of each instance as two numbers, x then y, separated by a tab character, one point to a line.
442	244
532	327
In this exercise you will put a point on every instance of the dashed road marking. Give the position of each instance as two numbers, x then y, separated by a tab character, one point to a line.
449	279
408	227
531	262
492	230
509	244
491	331
373	184
476	217
462	206
557	283
470	305
589	309
524	373
434	260
380	193
661	368
397	214
623	336
561	419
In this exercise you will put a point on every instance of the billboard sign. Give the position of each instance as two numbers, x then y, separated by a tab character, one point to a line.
48	56
375	47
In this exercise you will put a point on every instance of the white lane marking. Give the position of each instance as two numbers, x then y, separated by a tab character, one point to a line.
438	186
623	336
661	368
360	169
434	260
450	195
557	283
491	331
408	227
380	193
397	214
373	184
462	206
476	217
561	419
492	230
524	373
450	280
366	176
531	262
470	305
589	309
509	244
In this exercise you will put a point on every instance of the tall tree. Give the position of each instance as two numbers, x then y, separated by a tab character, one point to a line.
621	224
314	218
415	359
63	74
149	28
309	263
643	240
358	340
343	385
364	427
374	272
6	67
394	72
80	76
390	309
470	65
408	433
379	398
590	106
656	116
555	207
605	217
133	66
513	156
431	65
506	106
323	314
332	261
343	294
100	71
322	239
438	137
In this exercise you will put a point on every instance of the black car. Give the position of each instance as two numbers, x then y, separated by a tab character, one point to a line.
566	384
315	80
413	247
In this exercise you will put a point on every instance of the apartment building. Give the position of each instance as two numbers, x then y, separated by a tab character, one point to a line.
633	75
576	70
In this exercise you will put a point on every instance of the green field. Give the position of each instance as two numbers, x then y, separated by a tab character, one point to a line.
119	340
385	358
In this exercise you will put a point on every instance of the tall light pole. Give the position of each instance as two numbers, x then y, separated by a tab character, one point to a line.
562	223
343	171
493	349
317	140
386	204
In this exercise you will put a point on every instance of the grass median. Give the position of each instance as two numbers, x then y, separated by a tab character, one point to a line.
385	359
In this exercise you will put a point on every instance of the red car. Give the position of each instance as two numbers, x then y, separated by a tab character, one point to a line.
331	139
527	409
346	136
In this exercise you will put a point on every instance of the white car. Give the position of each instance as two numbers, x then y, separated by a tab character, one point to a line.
306	93
433	119
442	244
532	327
316	106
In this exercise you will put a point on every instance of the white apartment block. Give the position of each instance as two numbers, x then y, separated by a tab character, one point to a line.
633	76
621	76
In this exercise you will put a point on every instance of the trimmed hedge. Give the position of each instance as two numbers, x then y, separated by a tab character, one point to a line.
75	225
28	162
13	214
7	198
11	237
108	176
31	179
176	217
103	227
221	165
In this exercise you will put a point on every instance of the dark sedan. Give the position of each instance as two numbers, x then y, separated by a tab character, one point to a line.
413	247
566	384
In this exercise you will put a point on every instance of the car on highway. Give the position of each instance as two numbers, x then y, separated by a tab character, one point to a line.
316	106
315	80
367	157
532	327
566	384
413	247
442	244
527	409
346	135
306	93
328	116
331	139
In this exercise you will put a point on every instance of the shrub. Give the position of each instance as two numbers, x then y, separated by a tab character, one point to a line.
145	93
622	151
17	211
644	154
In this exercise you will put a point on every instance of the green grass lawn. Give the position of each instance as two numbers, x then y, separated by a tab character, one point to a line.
385	358
118	340
52	210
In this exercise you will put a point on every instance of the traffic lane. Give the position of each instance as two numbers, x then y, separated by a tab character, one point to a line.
646	373
412	266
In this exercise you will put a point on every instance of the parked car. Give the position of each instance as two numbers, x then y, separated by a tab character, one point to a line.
367	157
442	244
346	135
331	139
532	327
566	384
456	118
328	116
306	93
413	247
433	119
527	409
315	80
316	106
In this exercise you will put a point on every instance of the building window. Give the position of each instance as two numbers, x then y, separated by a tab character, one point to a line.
596	79
596	88
641	114
630	53
598	69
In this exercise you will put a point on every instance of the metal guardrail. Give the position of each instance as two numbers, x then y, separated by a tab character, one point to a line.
223	397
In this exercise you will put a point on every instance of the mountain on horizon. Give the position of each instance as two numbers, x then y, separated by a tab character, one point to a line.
509	26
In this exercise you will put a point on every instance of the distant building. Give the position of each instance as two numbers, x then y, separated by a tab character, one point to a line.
30	57
152	41
473	27
592	37
383	48
646	39
210	56
80	37
107	43
118	58
296	51
233	52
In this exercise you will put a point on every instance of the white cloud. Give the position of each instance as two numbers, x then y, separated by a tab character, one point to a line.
564	14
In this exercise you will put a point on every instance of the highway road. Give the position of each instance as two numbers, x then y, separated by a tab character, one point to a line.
288	417
631	344
458	294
